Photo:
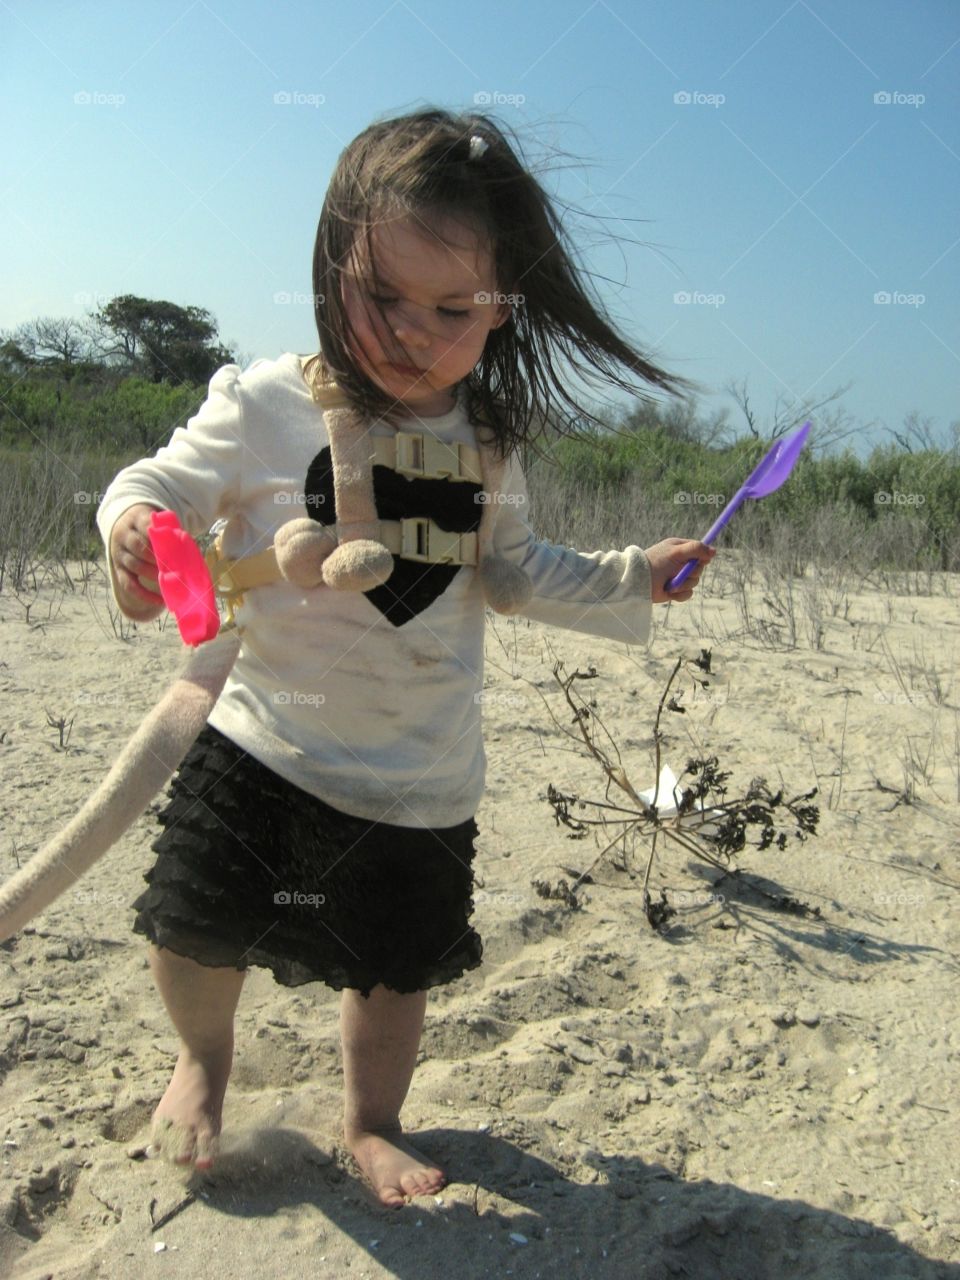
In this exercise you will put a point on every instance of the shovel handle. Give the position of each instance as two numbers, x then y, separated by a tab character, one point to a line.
709	538
680	578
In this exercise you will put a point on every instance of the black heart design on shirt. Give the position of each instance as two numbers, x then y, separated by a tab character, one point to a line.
413	586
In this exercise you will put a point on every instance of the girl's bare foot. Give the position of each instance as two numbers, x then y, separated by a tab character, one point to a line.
186	1123
201	1002
394	1168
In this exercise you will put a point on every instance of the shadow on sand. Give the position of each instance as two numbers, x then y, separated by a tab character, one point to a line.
639	1221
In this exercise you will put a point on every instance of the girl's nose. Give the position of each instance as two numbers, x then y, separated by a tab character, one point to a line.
412	335
409	327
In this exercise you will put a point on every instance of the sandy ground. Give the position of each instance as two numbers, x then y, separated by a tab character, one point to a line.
750	1094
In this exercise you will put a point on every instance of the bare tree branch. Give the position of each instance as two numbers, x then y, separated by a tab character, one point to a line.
789	413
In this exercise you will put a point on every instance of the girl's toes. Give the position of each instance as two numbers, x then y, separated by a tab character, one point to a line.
208	1145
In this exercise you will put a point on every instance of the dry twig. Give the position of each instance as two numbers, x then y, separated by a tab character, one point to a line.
707	823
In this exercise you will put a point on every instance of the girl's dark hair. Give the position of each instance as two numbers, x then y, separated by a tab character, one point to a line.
421	164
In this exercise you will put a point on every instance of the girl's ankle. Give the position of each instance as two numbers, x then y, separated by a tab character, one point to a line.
211	1057
355	1130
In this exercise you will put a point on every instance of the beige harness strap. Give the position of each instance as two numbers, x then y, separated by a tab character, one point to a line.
230	577
414	538
413	454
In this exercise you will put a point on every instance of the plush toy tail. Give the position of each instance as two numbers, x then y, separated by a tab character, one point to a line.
143	767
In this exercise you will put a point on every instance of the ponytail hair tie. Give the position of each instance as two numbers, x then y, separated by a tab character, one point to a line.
478	146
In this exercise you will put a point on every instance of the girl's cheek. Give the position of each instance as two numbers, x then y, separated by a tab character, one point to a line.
365	335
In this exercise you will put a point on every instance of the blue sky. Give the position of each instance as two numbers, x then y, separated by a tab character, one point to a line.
780	198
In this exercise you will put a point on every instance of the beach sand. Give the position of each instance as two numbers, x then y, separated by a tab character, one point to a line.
748	1094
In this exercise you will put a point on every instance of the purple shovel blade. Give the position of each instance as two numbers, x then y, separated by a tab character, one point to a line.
767	476
770	473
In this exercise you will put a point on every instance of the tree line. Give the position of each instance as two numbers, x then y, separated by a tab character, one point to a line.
114	386
129	336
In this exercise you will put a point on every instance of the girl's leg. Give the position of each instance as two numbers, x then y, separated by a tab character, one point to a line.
380	1036
201	1002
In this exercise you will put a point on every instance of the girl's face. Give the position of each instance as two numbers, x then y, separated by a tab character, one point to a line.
438	306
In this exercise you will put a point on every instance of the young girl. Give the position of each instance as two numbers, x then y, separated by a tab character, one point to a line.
322	825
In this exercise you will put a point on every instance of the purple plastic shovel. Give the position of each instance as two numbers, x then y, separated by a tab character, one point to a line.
768	475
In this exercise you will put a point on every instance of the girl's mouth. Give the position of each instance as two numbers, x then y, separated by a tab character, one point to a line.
408	370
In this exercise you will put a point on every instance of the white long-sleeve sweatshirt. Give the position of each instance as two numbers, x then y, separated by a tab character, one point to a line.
367	700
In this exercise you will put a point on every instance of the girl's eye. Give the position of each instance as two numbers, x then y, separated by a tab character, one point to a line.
446	311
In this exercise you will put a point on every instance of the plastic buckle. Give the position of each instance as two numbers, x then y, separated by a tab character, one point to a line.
409	453
441	461
415	538
423	540
422	456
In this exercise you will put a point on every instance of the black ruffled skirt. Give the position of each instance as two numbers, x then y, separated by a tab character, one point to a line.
251	870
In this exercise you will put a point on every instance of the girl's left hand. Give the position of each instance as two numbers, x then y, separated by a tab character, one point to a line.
667	558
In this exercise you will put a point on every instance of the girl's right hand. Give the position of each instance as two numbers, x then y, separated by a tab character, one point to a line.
135	565
667	558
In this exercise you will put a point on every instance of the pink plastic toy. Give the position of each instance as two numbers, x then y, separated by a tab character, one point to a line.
184	579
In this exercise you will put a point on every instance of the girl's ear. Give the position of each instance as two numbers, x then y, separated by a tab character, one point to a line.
504	311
